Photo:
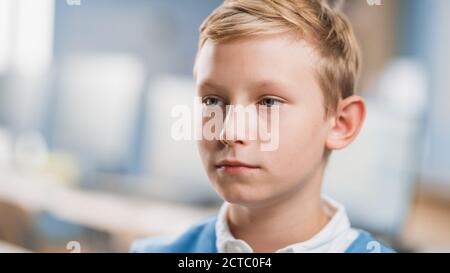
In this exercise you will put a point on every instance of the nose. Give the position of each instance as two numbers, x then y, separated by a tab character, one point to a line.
234	128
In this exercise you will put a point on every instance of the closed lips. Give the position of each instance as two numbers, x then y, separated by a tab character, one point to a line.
235	164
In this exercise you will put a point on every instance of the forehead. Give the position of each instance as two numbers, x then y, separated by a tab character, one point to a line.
269	58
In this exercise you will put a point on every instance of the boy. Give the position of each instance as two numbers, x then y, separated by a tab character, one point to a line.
299	57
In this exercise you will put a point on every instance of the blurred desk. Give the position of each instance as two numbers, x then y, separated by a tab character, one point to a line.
9	248
102	211
427	229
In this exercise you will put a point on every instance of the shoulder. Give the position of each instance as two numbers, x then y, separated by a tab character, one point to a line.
365	243
199	238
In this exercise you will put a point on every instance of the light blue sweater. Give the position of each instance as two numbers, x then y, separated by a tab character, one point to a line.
201	238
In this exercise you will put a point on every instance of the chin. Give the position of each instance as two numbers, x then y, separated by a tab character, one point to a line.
243	195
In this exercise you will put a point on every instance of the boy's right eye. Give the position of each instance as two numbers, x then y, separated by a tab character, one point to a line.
208	101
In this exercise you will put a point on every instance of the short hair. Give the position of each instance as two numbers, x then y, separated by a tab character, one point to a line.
325	28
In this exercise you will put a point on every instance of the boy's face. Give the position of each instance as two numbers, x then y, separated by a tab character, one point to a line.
268	70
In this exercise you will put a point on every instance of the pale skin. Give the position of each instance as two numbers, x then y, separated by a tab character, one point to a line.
275	202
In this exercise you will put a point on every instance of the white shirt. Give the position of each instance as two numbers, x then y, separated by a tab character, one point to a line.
335	237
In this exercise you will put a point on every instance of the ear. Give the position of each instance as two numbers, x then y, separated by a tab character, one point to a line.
346	123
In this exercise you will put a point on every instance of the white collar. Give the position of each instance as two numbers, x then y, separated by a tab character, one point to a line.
336	236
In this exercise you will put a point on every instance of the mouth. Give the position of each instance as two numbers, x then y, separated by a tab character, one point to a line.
235	166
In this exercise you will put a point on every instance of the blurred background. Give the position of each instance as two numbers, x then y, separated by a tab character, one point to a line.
86	157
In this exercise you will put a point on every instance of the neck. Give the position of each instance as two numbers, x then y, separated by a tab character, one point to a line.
295	217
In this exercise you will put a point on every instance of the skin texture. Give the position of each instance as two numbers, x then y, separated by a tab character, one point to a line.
277	201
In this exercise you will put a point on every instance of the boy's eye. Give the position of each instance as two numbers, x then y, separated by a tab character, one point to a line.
211	101
269	102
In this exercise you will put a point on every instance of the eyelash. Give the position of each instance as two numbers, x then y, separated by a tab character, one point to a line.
272	99
210	97
261	101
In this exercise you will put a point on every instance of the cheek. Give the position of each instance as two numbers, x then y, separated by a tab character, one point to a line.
206	149
302	141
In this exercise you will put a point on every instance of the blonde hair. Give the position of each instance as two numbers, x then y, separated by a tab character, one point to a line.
314	21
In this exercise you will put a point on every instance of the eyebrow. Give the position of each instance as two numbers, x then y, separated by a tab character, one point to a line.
270	85
210	85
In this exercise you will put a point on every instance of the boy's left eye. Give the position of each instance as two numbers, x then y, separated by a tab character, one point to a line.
269	102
